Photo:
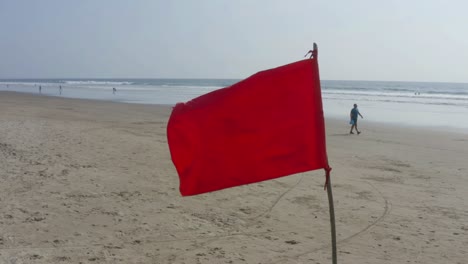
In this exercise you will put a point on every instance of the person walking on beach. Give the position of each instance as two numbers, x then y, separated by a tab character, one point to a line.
354	116
60	89
40	89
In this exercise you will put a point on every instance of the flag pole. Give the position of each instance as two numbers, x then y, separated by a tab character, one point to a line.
332	216
328	187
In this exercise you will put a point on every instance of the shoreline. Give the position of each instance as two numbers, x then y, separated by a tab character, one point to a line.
330	117
78	99
92	181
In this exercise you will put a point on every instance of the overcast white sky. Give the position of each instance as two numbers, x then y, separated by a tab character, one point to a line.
358	40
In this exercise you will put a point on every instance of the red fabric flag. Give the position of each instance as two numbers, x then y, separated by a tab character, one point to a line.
267	126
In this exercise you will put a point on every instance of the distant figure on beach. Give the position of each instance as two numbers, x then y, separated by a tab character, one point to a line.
114	90
354	116
60	89
40	89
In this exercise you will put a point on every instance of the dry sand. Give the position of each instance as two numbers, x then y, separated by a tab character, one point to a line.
92	182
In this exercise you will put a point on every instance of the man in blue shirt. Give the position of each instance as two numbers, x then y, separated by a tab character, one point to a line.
354	116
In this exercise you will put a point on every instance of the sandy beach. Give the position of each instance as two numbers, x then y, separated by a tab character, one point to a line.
87	181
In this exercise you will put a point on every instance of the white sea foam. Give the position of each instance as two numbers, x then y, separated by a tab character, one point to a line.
96	83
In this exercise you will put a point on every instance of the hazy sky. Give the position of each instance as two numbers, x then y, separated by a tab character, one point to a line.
406	40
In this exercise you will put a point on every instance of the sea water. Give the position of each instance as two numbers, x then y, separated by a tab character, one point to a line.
440	105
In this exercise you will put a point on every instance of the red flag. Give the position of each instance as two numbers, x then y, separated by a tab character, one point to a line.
267	126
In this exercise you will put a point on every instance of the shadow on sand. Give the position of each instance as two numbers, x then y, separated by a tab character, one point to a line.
341	135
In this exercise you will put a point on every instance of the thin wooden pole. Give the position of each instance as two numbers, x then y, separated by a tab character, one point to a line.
332	220
314	54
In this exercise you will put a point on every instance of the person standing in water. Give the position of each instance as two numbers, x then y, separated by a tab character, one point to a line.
40	89
60	89
114	90
354	116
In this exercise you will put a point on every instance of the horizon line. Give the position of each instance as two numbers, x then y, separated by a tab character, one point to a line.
197	78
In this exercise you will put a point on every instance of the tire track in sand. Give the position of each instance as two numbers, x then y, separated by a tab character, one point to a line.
387	209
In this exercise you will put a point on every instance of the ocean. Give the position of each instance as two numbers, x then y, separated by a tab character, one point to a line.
436	105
